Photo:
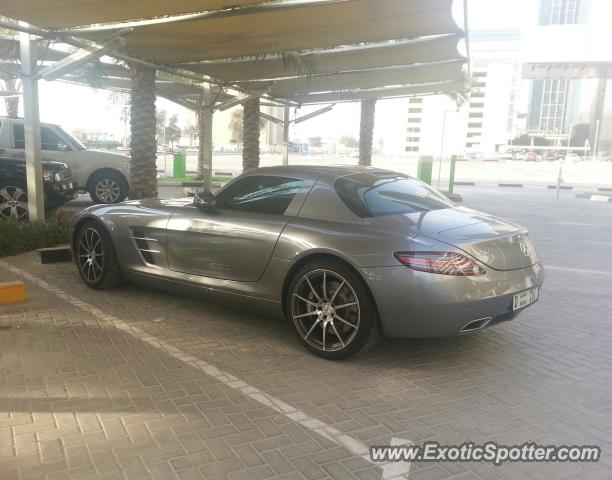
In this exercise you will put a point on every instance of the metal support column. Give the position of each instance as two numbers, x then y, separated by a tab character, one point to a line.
31	120
286	121
207	111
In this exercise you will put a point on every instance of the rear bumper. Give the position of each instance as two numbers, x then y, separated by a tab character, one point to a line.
419	304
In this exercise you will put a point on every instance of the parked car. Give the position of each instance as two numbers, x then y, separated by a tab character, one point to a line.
57	185
104	175
343	252
572	157
532	157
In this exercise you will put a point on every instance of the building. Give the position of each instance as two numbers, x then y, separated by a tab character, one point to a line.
437	126
567	58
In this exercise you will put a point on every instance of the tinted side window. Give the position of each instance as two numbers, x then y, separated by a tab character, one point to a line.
375	194
262	194
48	139
18	136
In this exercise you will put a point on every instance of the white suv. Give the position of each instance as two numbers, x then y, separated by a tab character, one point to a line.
104	175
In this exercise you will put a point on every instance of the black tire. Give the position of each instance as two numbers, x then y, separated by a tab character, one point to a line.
14	200
315	316
108	187
95	257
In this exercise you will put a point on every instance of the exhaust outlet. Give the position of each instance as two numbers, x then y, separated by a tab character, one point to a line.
476	325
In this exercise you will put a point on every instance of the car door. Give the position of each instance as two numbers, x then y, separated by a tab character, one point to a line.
53	146
234	240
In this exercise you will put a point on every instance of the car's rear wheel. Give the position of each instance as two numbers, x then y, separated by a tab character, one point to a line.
108	187
14	201
95	257
331	309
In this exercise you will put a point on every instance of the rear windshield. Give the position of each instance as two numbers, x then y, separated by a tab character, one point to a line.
376	194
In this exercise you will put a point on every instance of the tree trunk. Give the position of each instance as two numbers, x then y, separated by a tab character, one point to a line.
250	147
11	103
143	147
366	131
12	107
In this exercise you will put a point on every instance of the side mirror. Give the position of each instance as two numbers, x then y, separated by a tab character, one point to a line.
204	201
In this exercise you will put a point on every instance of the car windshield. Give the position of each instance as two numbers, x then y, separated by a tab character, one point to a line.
376	194
73	141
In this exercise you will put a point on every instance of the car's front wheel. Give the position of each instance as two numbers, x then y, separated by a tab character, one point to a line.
14	201
95	257
108	187
331	309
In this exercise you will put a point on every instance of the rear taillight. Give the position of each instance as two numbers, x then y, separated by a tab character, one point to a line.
443	263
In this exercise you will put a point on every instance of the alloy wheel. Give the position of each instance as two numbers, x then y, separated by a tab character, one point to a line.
108	190
13	202
325	310
90	255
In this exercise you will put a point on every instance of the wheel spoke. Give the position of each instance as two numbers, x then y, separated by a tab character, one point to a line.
312	328
324	331
337	334
307	314
313	290
345	305
338	317
305	300
324	285
331	300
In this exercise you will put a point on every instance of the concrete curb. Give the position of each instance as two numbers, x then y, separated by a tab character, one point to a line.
520	185
55	254
594	197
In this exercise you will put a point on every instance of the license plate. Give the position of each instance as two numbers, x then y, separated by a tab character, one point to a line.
525	298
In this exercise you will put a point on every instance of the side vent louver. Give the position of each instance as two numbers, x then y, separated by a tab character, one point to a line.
143	245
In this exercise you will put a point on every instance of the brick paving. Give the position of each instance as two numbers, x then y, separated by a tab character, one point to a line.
81	398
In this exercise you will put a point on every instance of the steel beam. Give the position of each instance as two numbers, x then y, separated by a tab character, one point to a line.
314	114
31	121
271	118
286	121
238	100
78	58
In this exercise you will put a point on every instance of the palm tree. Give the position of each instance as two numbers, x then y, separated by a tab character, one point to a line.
8	80
143	147
366	131
251	127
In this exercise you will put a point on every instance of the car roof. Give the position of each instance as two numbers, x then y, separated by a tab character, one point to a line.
315	171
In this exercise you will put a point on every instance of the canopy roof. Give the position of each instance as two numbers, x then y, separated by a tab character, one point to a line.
296	50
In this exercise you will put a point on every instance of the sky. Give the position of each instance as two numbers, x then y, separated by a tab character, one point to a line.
76	107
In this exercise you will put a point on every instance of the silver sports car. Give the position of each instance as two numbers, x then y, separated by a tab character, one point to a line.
346	254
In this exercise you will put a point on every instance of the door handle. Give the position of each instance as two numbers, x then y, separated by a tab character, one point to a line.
2	150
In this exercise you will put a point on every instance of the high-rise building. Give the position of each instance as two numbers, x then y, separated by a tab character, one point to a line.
568	59
437	125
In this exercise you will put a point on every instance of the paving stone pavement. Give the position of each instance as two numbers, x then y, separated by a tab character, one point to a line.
82	399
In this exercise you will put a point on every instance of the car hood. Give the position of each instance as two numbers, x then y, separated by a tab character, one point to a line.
497	243
46	164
